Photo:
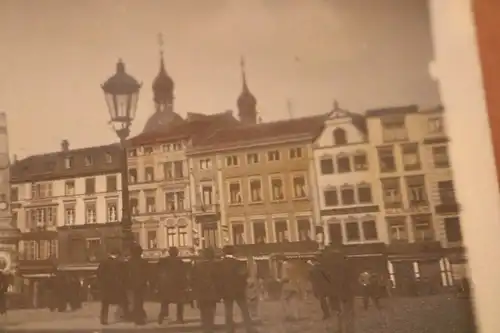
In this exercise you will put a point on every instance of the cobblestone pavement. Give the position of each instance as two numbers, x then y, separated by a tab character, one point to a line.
433	314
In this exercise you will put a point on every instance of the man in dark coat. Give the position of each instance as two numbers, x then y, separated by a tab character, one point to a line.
232	285
320	287
172	284
111	276
4	287
204	287
138	280
339	272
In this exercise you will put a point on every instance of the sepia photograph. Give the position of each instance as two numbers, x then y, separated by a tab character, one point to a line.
234	166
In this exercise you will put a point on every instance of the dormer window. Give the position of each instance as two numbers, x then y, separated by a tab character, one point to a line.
88	160
339	136
132	152
148	150
109	158
68	162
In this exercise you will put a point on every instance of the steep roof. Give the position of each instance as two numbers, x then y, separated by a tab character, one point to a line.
194	127
51	166
394	110
297	128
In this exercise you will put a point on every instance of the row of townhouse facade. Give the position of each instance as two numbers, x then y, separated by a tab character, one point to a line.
379	184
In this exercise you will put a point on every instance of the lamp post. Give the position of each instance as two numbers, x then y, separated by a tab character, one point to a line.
121	92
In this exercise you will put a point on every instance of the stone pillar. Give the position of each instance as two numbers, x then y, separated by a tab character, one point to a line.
9	234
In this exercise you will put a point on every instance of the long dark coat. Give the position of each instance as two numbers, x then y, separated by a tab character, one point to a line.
111	275
204	281
172	280
319	280
232	277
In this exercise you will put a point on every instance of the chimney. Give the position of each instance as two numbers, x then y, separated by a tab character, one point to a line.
65	145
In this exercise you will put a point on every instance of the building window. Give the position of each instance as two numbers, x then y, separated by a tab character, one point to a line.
360	162
152	239
394	129
68	162
398	231
440	157
111	211
422	228
281	231
89	185
182	231
111	184
207	195
253	158
386	159
132	153
339	136
148	150
352	232
255	190
304	229
343	163
166	147
41	190
179	200
171	236
411	157
93	248
134	206
235	193
14	194
168	170
299	187
335	233
132	175
151	202
273	155
90	213
178	169
206	164
238	233
326	166
447	192
149	173
364	194
391	192
109	158
453	229
69	215
277	193
347	194
170	201
296	153
435	125
69	187
232	161
88	160
369	230
331	197
416	190
259	232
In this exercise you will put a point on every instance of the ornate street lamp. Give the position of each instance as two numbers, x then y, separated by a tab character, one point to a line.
121	92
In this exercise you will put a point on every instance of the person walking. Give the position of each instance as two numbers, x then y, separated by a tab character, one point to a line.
232	282
138	279
111	277
320	288
172	284
204	288
290	289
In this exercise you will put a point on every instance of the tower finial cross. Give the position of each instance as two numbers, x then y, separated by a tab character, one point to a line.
160	42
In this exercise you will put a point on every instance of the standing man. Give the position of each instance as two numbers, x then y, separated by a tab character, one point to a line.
138	278
111	277
233	287
172	284
204	286
320	287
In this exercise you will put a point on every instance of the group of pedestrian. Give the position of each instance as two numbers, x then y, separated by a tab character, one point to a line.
207	281
63	291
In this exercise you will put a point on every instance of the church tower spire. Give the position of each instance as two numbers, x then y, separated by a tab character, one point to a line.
247	103
163	85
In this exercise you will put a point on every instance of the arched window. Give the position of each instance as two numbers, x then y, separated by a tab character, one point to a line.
339	136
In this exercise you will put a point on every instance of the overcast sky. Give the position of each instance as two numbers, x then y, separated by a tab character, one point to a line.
54	54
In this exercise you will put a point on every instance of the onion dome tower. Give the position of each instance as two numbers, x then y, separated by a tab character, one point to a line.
247	103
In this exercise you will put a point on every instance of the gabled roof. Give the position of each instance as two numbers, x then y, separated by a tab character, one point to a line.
358	120
52	166
194	127
290	129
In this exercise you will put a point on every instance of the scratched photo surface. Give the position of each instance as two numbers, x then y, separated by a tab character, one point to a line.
217	165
